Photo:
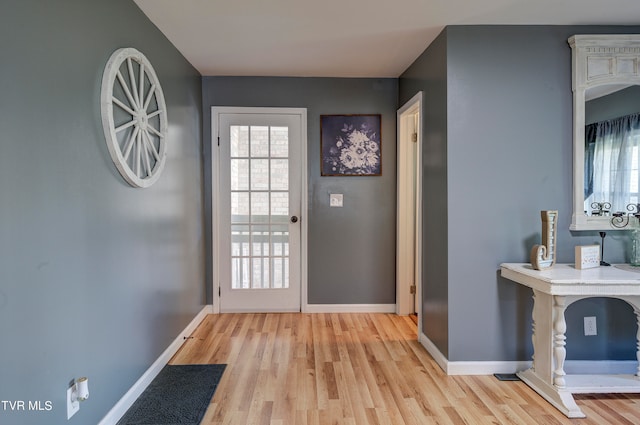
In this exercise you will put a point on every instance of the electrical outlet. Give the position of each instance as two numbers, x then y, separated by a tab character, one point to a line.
590	326
72	405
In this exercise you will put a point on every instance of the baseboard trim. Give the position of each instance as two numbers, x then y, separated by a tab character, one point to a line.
491	367
486	367
350	308
141	384
431	348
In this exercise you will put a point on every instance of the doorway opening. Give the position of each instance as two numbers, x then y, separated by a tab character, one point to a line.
409	211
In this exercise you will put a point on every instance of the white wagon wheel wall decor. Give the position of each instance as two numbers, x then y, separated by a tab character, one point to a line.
134	117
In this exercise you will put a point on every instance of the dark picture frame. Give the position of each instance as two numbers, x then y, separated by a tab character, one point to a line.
351	145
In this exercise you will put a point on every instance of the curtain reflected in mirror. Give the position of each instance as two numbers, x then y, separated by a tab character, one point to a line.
612	149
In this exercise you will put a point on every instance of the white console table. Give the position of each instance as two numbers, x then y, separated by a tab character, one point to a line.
554	290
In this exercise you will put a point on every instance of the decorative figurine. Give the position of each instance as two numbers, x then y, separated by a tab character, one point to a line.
544	256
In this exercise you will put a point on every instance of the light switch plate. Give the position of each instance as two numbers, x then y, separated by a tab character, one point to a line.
335	199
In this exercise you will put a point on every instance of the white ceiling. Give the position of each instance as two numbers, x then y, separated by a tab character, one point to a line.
346	38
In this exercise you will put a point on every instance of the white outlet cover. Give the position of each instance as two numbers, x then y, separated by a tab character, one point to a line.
590	328
335	199
72	406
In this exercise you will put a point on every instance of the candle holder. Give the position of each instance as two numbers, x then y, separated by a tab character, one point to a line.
620	220
602	262
600	208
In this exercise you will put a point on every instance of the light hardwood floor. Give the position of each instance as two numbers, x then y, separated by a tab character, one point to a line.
317	369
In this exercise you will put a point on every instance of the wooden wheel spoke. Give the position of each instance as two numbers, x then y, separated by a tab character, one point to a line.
125	87
150	145
127	148
154	113
141	85
122	105
154	131
137	155
145	145
132	78
152	90
124	126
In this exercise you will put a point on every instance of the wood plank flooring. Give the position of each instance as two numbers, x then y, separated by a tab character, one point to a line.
326	369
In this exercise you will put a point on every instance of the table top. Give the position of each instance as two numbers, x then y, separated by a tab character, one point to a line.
565	279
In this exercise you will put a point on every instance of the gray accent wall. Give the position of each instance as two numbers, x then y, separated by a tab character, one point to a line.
96	278
351	250
508	143
429	75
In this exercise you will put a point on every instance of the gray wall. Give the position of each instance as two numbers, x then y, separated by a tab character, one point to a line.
96	278
429	74
509	155
351	249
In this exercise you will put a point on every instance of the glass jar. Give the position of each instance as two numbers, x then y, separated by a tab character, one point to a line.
635	248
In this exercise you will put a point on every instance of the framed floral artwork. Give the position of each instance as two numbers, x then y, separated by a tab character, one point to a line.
351	145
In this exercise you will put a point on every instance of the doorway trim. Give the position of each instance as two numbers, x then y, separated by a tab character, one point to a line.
405	234
215	194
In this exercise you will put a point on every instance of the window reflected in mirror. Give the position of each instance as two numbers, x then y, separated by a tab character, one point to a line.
612	149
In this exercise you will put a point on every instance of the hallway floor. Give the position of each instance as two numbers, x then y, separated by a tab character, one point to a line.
339	368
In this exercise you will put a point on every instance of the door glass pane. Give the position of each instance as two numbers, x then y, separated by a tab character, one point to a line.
279	207
259	137
279	142
260	273
279	174
240	276
280	272
259	174
239	141
239	207
240	251
239	174
280	240
260	241
259	207
240	240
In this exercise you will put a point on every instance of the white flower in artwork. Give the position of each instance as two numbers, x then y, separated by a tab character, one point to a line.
370	159
358	138
352	157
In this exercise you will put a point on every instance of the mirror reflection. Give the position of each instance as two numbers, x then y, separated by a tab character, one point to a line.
611	149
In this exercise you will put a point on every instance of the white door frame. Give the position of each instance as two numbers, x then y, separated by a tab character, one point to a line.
405	234
215	194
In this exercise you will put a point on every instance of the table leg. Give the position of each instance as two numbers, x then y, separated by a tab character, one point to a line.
547	375
533	333
637	312
559	330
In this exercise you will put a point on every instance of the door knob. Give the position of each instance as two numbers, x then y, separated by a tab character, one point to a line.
294	219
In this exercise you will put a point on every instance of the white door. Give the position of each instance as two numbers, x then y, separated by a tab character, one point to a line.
259	208
409	244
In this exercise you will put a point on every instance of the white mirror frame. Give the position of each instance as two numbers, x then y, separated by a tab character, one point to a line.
596	60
